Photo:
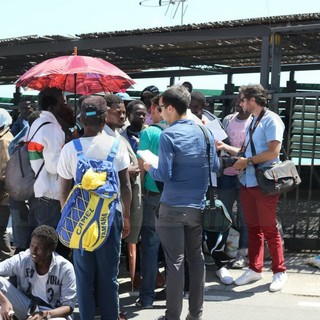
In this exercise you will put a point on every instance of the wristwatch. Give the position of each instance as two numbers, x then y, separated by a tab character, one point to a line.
250	162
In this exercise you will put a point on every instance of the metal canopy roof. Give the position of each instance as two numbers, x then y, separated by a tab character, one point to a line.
209	48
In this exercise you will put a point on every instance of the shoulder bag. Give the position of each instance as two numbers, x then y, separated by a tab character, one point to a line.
279	178
216	217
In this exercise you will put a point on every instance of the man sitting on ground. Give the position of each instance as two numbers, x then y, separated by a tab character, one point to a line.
46	281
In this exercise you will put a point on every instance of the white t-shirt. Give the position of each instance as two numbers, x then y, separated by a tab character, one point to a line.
97	147
39	286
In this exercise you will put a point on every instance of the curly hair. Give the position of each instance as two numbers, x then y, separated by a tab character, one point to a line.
48	235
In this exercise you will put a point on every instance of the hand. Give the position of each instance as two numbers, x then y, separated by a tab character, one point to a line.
126	227
241	164
133	171
219	145
7	311
147	166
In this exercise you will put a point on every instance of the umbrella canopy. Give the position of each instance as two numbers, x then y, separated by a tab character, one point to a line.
76	74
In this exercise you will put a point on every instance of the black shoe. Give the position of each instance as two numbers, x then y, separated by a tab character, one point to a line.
142	306
160	295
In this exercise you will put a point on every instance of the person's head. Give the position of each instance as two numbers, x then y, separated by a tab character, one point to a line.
5	119
198	103
147	94
188	85
116	115
136	113
252	96
174	103
26	107
44	241
33	116
243	114
52	99
154	110
93	113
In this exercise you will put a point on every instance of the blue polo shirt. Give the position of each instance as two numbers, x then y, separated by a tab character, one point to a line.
270	128
183	164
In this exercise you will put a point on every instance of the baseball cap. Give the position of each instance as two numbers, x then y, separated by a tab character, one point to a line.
93	106
124	96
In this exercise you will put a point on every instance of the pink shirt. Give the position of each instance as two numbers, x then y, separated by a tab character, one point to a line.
236	131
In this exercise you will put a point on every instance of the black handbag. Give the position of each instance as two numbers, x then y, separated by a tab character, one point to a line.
216	217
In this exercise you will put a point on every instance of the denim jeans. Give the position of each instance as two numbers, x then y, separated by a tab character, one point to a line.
20	228
229	192
44	211
150	244
101	267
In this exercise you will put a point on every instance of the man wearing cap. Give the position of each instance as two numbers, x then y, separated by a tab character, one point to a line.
101	265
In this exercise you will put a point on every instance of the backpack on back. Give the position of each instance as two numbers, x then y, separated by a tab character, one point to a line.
88	213
19	176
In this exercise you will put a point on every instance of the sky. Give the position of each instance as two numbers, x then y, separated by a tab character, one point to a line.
71	17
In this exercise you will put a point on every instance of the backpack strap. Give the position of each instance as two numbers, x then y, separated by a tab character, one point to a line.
77	144
28	141
114	150
41	125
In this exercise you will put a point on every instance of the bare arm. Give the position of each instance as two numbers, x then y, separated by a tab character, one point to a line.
269	154
59	312
6	307
142	172
65	189
125	187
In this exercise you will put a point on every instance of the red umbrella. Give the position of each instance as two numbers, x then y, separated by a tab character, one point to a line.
77	74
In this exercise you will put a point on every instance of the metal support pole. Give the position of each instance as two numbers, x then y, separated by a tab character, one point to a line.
265	63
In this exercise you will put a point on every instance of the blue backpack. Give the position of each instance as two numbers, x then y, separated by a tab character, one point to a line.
88	213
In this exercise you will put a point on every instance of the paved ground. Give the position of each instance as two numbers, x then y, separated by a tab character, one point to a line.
304	281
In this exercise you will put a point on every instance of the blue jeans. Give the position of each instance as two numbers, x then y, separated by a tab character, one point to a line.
19	212
150	244
44	211
228	193
100	266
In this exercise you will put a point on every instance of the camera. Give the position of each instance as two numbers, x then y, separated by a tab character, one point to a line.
228	161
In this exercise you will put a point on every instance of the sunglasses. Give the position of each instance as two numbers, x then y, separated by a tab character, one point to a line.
160	107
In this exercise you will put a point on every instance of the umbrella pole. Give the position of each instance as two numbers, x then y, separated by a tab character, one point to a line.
75	98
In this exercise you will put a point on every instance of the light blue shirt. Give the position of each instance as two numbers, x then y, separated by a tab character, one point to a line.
269	129
183	164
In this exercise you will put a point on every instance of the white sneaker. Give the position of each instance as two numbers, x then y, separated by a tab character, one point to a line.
247	277
279	279
224	275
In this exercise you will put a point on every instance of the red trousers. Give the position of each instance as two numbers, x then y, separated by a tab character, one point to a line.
260	216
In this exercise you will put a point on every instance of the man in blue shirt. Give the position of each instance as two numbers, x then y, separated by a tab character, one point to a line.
183	168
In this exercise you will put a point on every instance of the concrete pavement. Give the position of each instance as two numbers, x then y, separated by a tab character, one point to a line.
304	281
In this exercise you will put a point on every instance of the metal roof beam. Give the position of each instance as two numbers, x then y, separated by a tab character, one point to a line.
135	40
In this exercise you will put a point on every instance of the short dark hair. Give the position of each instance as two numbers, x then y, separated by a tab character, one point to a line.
179	97
49	97
112	99
48	236
199	96
256	91
132	104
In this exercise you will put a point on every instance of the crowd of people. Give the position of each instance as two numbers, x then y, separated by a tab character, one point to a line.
160	207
